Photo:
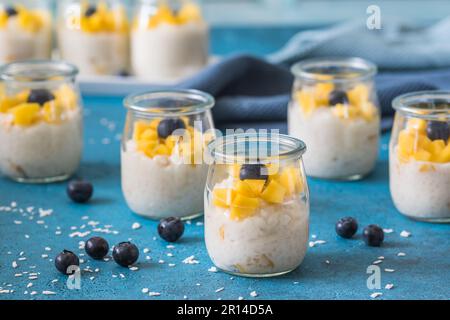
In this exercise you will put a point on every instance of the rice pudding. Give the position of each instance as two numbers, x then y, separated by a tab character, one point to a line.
25	33
95	37
166	44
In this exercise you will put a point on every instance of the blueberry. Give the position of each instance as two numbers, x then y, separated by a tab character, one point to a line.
253	171
338	97
11	11
90	11
66	259
167	126
125	254
40	96
438	130
97	247
123	73
80	191
171	229
346	227
373	235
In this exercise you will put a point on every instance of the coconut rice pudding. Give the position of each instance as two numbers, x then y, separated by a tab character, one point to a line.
257	215
419	157
163	172
40	122
25	31
94	36
168	40
334	110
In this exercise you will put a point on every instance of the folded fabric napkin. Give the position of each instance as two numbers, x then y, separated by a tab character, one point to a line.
397	45
249	90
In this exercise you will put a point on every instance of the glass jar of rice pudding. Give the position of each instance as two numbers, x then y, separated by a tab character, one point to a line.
334	109
163	169
169	39
25	30
40	121
419	159
257	204
94	35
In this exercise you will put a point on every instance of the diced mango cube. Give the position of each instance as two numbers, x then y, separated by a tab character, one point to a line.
149	134
189	12
346	111
406	143
242	201
146	146
244	189
274	192
422	155
290	179
322	93
306	101
223	197
358	95
51	112
25	114
417	125
256	186
139	128
154	124
435	148
161	150
445	154
237	213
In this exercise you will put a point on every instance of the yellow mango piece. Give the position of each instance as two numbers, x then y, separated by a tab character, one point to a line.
139	128
154	124
435	148
306	101
322	92
368	111
171	141
161	150
406	143
190	12
358	95
244	189
241	201
290	180
51	112
25	114
256	186
346	111
149	134
237	213
30	21
416	124
423	142
66	97
444	157
223	197
3	19
422	155
274	192
146	147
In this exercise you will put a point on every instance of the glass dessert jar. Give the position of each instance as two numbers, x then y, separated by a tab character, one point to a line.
169	39
40	121
94	35
334	109
257	204
419	159
163	170
25	30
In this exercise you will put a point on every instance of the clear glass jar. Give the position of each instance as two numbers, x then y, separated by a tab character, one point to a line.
94	35
257	204
163	172
25	30
419	159
169	39
40	121
335	110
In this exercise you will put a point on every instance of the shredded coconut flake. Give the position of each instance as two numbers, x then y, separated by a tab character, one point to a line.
405	234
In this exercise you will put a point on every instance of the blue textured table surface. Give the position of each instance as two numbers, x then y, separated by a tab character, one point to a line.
333	270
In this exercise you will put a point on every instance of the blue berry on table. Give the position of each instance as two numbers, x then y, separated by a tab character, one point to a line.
171	229
80	191
346	227
97	247
66	259
125	254
373	235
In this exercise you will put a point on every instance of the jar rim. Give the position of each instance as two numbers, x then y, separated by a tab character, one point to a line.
37	70
196	102
363	69
422	104
217	147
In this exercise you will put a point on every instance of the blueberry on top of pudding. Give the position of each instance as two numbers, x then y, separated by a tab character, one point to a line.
167	126
338	97
90	11
253	171
11	11
438	130
40	96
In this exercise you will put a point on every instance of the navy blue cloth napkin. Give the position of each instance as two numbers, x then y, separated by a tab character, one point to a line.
251	90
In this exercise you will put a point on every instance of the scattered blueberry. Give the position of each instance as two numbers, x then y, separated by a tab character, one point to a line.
66	259
90	11
253	171
97	247
171	229
167	126
338	97
123	73
125	254
373	235
80	191
40	96
11	11
346	227
438	130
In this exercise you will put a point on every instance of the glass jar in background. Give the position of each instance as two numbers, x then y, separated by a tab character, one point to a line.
94	35
257	204
169	39
163	170
419	159
40	121
334	109
25	30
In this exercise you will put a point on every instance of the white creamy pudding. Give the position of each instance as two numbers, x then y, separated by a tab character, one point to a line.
258	227
340	128
24	34
169	45
41	140
96	39
419	171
